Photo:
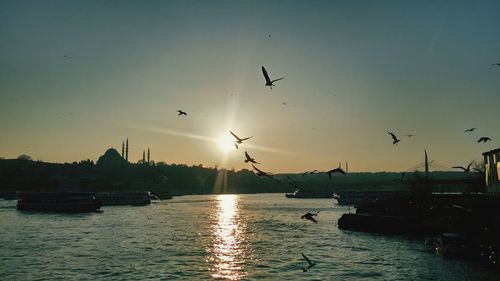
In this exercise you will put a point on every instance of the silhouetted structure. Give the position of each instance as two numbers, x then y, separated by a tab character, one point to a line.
126	151
492	171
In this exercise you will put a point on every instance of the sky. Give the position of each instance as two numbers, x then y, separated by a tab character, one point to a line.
79	77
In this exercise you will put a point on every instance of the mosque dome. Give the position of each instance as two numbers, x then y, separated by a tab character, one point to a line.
111	158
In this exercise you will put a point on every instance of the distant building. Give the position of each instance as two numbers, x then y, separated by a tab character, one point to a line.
111	159
492	171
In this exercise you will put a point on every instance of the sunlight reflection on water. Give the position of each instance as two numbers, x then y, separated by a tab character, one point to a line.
227	252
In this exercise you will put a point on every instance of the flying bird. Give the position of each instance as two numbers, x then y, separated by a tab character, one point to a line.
469	130
394	138
269	82
311	172
261	173
238	139
336	170
464	169
180	112
495	64
250	159
309	263
309	216
483	139
410	136
478	170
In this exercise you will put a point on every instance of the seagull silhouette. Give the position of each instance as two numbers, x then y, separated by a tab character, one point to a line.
309	263
310	216
180	112
261	173
311	172
394	138
336	170
469	130
238	139
250	159
410	136
465	169
483	139
269	82
495	64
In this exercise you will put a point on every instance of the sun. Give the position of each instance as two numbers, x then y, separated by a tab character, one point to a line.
225	142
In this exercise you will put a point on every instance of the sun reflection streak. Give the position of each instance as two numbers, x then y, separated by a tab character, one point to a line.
228	251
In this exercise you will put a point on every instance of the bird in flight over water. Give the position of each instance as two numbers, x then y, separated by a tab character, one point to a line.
250	159
180	112
395	140
336	170
483	139
238	139
261	173
309	263
269	82
469	130
464	169
310	216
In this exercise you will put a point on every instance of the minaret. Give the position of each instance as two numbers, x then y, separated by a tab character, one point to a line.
426	165
148	155
123	149
126	150
346	168
143	156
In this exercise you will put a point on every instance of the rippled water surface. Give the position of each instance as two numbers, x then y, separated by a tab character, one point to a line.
234	237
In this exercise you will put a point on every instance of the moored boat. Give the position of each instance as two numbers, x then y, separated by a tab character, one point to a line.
135	198
73	202
309	194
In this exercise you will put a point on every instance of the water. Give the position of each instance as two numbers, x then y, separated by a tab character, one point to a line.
227	237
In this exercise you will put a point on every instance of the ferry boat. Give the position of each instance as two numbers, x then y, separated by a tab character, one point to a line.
74	202
361	197
135	198
309	194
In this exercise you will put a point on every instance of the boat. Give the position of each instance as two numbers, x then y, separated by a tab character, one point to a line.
135	198
309	194
72	202
362	197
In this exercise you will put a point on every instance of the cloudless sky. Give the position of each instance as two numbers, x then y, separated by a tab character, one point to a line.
78	77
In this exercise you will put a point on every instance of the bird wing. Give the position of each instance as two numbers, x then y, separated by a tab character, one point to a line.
459	167
246	138
257	169
468	166
266	76
247	156
481	139
337	170
307	260
277	79
234	135
305	173
393	136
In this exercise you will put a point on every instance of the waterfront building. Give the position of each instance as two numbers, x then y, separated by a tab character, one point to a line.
492	171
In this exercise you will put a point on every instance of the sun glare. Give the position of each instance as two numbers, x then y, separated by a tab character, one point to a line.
225	142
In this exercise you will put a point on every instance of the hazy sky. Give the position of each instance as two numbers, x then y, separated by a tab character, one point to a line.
78	77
